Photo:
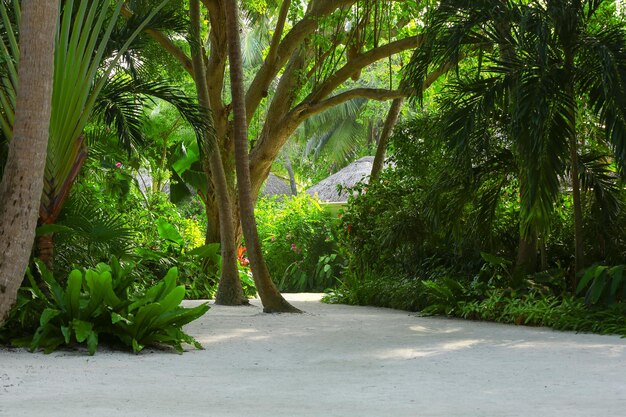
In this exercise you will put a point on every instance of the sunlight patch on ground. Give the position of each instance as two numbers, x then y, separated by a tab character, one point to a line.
410	353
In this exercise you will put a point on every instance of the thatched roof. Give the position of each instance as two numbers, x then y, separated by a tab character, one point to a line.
275	186
357	171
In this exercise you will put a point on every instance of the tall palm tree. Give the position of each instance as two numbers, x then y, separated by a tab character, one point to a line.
230	291
535	61
20	189
273	301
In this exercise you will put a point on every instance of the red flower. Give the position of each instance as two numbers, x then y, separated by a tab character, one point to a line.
243	261
349	227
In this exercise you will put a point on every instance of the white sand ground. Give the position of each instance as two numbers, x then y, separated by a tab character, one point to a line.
333	361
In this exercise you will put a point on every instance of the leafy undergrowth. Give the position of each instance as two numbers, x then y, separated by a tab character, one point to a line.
100	304
450	298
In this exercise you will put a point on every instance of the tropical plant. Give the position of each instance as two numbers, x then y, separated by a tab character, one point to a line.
534	60
299	243
105	93
100	304
603	285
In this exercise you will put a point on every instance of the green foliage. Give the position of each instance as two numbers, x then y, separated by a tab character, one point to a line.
88	233
299	243
452	298
603	285
97	304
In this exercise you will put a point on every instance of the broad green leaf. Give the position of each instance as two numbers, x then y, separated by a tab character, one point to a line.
617	275
206	251
82	329
168	231
494	260
92	342
47	315
67	333
597	288
72	293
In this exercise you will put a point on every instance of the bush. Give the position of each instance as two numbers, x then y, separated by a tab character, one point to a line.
299	243
451	298
97	304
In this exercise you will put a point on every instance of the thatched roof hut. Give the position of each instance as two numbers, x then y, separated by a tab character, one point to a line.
357	171
275	186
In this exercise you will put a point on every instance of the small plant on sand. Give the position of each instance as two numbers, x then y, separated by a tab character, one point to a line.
99	304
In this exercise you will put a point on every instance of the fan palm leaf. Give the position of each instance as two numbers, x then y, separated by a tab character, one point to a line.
79	78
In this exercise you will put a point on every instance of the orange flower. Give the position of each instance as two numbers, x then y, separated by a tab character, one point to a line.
241	252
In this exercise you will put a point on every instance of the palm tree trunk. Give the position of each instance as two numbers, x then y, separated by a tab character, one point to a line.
273	301
230	291
22	183
573	149
578	212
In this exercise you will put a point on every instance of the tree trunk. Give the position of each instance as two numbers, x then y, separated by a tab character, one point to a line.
44	250
292	177
383	142
273	301
573	149
526	256
213	218
230	291
22	183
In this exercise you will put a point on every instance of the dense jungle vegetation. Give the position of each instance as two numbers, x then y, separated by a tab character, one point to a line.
502	124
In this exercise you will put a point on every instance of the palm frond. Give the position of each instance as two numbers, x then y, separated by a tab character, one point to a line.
602	73
454	29
597	176
91	234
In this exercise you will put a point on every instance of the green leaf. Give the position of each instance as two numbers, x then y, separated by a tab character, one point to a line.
137	347
67	334
72	293
168	232
173	299
184	163
47	315
617	278
206	251
116	318
47	229
590	273
82	329
494	260
597	288
92	342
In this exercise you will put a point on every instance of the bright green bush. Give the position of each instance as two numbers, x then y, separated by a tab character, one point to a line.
299	243
100	304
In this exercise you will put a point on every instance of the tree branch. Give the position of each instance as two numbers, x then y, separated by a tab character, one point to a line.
378	94
359	62
292	40
278	33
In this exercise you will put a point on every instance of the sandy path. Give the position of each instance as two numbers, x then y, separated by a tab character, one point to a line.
333	361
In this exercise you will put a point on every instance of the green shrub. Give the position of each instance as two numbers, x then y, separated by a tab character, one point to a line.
299	243
603	285
449	297
100	304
